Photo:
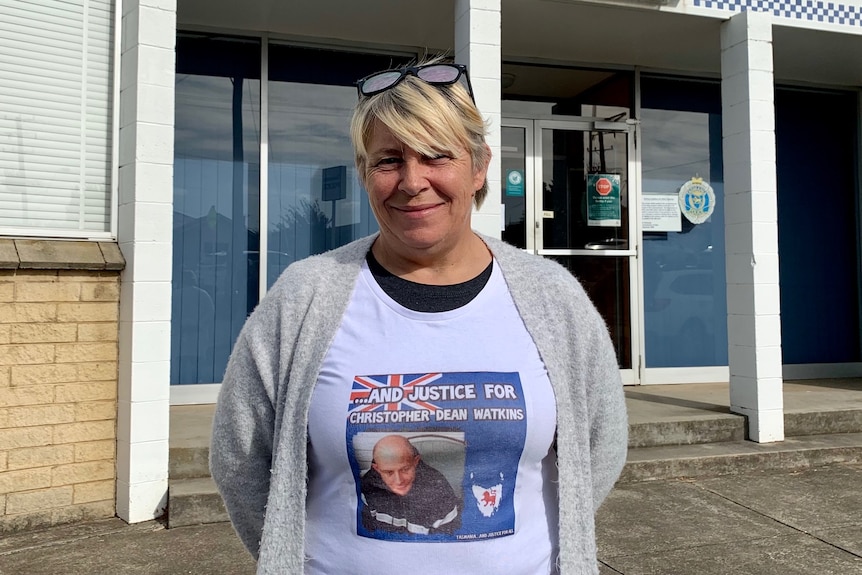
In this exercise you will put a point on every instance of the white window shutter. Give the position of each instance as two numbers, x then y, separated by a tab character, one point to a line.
56	84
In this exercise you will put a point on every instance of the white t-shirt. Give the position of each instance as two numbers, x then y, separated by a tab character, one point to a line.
469	392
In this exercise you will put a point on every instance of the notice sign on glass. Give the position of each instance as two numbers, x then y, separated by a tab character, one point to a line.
661	213
603	200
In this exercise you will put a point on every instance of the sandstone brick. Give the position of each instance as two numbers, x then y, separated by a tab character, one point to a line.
98	371
4	457
33	415
94	331
94	491
85	276
100	291
16	437
34	457
31	275
89	391
7	291
95	450
2	506
17	523
95	410
27	354
29	312
83	512
38	500
33	395
86	311
83	431
25	480
42	332
113	255
47	291
5	333
4	420
85	352
22	375
82	472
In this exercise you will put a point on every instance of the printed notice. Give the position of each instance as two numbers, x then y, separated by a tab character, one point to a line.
435	455
661	213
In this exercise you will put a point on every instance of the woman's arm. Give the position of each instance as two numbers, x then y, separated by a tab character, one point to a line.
242	442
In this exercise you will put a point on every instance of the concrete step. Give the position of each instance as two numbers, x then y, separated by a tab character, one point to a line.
716	428
713	459
799	423
728	427
194	502
189	461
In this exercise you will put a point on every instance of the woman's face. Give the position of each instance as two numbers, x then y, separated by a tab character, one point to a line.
422	203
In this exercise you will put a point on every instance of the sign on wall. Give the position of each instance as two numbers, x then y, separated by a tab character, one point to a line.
661	213
515	183
696	200
603	200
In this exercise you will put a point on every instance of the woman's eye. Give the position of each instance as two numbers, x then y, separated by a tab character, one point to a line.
439	158
388	163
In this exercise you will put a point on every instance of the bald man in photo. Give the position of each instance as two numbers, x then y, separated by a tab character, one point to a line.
402	494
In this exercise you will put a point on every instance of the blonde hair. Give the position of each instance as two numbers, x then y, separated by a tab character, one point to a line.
430	119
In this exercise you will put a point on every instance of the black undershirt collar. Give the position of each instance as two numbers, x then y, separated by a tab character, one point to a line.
424	297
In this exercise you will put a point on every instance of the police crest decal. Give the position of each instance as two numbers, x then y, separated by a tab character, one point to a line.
696	200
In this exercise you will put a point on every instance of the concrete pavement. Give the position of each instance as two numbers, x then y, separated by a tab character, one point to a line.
777	523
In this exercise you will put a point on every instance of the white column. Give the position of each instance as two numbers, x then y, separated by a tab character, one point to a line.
477	44
144	232
751	229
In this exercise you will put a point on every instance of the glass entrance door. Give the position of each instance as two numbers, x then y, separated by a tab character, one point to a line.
567	194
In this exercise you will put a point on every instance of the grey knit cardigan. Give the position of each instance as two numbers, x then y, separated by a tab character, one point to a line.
259	441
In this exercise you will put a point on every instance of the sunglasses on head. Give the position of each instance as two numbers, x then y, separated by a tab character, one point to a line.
434	74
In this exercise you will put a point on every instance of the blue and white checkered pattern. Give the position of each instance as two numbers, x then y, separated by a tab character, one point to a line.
811	10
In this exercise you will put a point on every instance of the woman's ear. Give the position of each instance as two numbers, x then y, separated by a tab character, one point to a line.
481	172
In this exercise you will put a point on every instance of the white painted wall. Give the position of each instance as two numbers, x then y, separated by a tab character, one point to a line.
144	232
478	45
751	220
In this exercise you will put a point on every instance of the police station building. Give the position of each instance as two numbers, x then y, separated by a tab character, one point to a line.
695	163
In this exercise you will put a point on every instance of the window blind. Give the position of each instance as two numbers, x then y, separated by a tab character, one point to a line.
56	84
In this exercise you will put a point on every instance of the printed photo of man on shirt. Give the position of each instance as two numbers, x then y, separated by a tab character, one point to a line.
403	494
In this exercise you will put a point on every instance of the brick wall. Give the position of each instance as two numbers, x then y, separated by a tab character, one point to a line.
58	396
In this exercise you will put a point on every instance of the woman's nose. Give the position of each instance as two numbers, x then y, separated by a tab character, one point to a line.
413	178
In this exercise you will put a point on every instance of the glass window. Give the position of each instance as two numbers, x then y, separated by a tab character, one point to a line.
315	199
216	201
514	163
818	246
685	307
56	118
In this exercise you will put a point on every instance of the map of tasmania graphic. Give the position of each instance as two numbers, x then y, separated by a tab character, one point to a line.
469	426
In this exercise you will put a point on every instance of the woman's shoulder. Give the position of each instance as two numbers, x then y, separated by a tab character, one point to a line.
326	267
324	280
517	262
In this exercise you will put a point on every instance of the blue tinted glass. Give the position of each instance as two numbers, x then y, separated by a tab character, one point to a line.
216	199
817	227
316	202
685	306
315	199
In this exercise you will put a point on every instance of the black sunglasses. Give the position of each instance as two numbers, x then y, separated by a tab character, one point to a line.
434	74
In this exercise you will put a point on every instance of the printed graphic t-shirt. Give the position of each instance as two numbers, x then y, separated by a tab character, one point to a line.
430	442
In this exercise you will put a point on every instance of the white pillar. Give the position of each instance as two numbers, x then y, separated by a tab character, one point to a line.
751	229
477	44
144	232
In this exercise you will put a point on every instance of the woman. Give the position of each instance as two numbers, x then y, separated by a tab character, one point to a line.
375	381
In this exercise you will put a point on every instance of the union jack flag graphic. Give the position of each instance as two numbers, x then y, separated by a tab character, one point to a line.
389	392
